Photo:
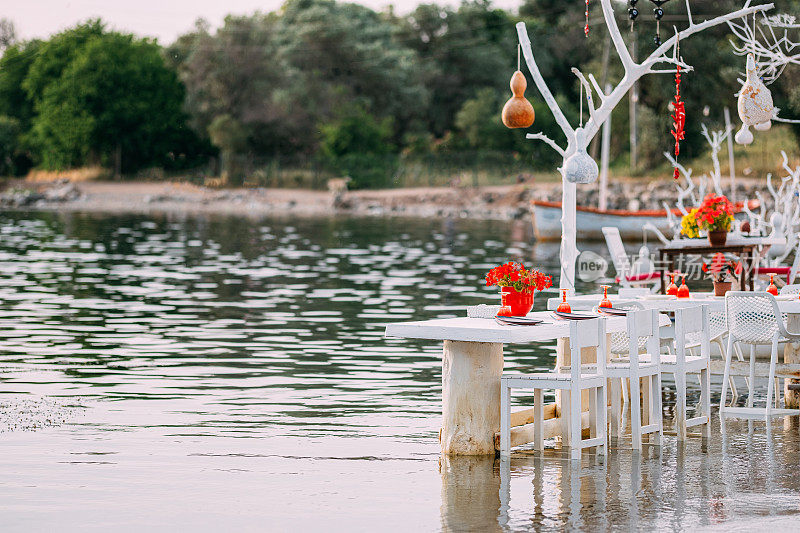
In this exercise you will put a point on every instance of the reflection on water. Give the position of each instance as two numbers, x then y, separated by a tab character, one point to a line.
227	372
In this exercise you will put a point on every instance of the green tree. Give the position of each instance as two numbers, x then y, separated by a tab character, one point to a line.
104	97
358	145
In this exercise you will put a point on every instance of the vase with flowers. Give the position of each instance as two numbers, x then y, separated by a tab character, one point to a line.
721	270
715	216
517	285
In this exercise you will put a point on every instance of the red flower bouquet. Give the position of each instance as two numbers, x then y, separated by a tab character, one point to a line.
517	286
715	213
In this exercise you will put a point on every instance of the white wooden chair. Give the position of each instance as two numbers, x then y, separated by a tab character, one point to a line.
634	367
582	334
690	323
753	318
625	275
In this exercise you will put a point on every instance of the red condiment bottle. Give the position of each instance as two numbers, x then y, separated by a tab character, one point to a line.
564	307
683	290
672	289
772	289
605	302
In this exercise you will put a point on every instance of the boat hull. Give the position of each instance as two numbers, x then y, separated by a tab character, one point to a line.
547	222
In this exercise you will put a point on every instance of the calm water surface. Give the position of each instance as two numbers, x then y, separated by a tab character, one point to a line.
212	373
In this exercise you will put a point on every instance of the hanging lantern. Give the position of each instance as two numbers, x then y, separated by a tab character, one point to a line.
518	111
755	101
581	168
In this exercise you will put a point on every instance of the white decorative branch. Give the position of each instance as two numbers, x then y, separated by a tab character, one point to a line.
542	137
588	89
580	137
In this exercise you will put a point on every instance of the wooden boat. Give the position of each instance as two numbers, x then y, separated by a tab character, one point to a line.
590	221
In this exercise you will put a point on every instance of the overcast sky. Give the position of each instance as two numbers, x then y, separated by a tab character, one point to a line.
164	19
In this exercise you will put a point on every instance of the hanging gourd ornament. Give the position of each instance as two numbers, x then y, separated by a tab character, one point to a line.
581	168
763	126
518	111
755	103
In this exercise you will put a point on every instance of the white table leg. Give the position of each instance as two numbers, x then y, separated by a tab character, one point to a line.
470	397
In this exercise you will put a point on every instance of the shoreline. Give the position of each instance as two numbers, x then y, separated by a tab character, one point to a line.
500	202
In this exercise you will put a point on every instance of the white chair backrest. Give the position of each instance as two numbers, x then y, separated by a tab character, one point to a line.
585	334
619	339
643	324
753	316
688	321
791	289
617	251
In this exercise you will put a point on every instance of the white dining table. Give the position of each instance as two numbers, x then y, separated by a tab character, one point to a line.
472	363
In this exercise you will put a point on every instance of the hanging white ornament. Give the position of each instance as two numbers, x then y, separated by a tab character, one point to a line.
744	135
581	168
755	100
763	126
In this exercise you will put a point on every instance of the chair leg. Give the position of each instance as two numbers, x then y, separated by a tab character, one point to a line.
646	400
505	418
593	408
773	358
727	376
602	398
680	403
705	391
750	385
538	422
616	407
575	424
565	409
655	408
624	383
740	357
636	414
731	381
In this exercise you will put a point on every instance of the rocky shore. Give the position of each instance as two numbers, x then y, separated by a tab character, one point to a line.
505	202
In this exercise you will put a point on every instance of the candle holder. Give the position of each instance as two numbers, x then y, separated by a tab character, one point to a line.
564	307
772	289
683	290
672	289
605	302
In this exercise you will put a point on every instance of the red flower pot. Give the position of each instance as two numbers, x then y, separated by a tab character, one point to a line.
520	303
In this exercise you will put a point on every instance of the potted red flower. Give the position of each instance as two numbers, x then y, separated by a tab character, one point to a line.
720	270
715	215
517	285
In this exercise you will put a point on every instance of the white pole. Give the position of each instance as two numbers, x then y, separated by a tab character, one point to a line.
729	129
604	154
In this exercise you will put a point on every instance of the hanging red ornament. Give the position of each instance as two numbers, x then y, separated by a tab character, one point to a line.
586	27
679	113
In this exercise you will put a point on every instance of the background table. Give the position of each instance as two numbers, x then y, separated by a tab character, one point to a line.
749	249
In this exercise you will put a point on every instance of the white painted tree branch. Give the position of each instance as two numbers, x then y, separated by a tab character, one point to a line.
542	137
579	138
549	99
588	89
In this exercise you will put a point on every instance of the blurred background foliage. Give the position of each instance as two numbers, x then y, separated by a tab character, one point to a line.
323	88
